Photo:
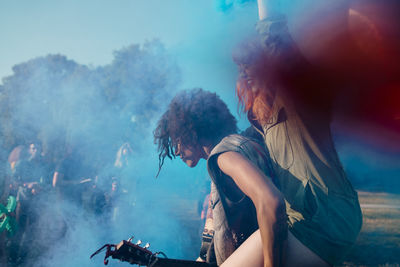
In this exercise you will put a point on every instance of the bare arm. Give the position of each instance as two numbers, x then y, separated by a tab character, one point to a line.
57	177
58	180
267	8
267	199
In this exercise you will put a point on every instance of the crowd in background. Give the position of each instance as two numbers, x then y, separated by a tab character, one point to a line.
49	182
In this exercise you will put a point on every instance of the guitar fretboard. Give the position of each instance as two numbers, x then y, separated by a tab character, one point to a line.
163	262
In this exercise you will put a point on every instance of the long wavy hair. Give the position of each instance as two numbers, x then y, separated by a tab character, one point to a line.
278	65
194	117
122	156
258	105
255	64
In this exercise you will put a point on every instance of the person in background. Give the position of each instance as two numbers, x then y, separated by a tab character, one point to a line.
73	175
29	178
116	191
123	155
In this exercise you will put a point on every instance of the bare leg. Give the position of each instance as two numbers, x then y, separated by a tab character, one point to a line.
296	254
248	254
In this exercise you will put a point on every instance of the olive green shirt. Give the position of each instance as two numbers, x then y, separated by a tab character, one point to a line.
322	206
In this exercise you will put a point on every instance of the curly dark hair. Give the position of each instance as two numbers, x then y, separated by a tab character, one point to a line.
193	117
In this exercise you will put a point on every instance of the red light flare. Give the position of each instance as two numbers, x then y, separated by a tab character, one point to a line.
357	46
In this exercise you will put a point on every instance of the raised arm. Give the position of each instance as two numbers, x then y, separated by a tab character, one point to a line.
268	200
267	8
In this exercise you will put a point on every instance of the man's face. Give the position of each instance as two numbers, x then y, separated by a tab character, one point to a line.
189	154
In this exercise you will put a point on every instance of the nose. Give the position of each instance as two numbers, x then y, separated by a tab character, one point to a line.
178	150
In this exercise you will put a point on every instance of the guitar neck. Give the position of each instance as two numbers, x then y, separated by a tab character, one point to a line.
164	262
134	254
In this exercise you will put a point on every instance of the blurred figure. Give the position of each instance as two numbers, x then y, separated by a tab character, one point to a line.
116	192
30	176
123	155
19	152
72	176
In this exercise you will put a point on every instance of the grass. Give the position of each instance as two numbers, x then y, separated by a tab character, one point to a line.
379	241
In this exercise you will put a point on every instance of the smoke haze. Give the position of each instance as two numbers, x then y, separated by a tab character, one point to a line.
55	93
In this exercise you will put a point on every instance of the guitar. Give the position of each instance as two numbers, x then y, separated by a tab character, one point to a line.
135	254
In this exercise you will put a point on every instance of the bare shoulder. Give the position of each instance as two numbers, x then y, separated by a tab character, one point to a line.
231	160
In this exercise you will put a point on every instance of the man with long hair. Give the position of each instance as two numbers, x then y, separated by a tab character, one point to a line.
198	125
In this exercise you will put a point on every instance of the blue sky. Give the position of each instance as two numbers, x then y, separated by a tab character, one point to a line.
199	35
88	31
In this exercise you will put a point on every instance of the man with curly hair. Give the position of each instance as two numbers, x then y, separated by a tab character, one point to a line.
198	125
